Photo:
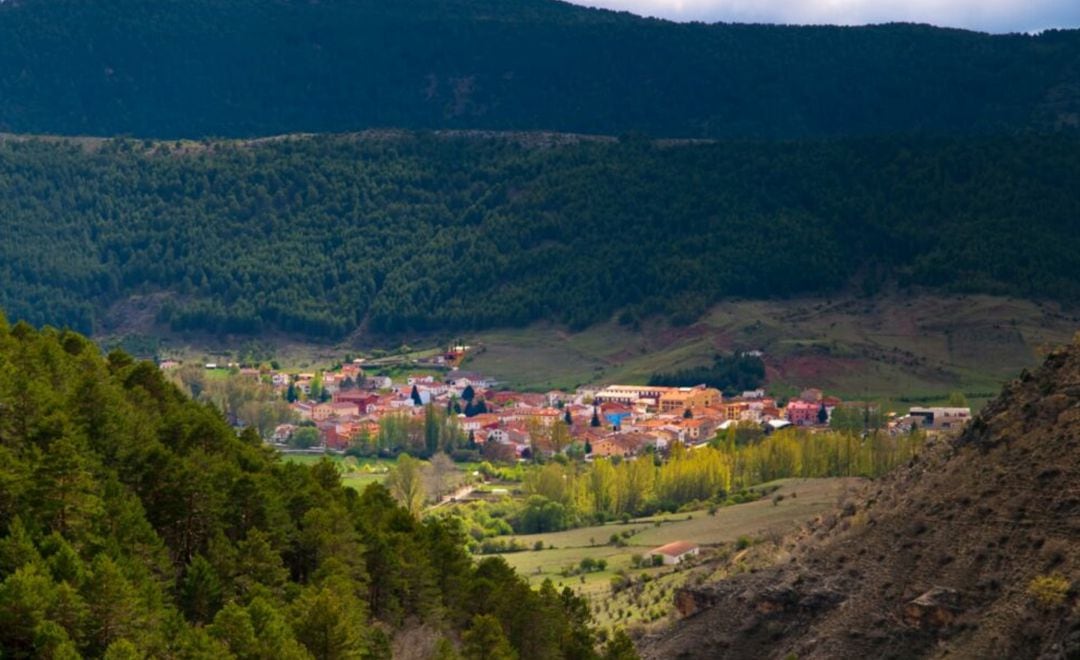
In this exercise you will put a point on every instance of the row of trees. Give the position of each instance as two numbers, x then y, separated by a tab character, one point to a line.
436	431
134	522
245	401
565	494
730	373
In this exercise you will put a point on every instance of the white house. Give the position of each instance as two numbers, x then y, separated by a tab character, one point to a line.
676	552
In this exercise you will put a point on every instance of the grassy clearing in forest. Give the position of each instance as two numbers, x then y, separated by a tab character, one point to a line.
356	473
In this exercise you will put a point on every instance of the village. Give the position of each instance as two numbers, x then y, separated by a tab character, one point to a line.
348	407
621	492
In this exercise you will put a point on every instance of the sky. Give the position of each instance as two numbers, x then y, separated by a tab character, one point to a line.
984	15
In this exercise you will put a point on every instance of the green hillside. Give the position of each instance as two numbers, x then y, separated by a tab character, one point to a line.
194	68
135	523
399	232
910	349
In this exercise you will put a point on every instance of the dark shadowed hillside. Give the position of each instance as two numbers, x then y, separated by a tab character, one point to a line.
971	551
195	68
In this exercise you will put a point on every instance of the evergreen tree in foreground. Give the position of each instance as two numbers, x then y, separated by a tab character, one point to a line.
136	523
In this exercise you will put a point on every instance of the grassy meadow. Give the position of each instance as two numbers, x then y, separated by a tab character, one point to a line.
356	473
910	349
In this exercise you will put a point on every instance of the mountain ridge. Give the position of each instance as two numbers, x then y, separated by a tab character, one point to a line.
194	69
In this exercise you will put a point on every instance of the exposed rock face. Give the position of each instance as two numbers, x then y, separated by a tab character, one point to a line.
936	608
937	559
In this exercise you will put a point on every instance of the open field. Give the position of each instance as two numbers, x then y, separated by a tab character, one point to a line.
355	473
802	500
908	348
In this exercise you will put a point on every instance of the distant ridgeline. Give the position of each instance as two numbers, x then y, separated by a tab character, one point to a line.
194	68
320	235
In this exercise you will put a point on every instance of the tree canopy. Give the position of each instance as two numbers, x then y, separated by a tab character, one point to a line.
419	232
135	522
196	68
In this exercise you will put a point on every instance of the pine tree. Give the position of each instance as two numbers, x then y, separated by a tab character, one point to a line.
431	430
620	647
329	623
485	640
66	496
115	612
200	592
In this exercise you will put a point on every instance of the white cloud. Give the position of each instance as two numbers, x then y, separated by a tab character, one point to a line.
987	15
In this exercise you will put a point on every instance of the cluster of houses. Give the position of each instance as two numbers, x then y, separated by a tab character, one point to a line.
617	420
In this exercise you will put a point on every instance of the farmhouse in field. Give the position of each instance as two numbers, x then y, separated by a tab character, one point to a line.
676	552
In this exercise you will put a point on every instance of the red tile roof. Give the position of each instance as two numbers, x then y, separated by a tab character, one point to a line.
674	549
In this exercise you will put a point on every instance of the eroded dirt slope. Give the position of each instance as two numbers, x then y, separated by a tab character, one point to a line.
970	551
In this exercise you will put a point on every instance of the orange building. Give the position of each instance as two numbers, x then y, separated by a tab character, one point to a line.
688	398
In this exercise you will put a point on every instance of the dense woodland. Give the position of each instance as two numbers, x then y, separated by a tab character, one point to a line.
729	373
195	68
135	522
421	232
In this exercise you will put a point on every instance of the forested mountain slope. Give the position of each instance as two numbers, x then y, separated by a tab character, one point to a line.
320	235
134	522
195	68
970	551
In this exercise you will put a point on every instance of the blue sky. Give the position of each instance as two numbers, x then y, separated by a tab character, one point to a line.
985	15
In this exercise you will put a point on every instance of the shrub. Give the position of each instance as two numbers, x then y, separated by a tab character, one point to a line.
618	583
743	542
1049	590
